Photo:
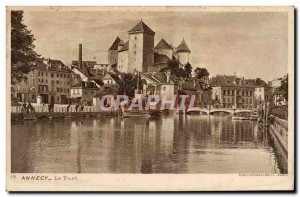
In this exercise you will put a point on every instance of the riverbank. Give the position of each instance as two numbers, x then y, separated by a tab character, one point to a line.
59	115
278	129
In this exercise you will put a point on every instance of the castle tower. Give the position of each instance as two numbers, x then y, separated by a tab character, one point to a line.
183	53
113	51
164	48
141	44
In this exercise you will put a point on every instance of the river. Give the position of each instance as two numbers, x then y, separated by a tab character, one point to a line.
171	144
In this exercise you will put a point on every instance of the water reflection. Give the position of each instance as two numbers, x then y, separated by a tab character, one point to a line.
172	144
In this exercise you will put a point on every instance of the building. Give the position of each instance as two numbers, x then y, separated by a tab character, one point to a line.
84	92
183	53
50	80
139	53
262	92
232	92
277	96
160	84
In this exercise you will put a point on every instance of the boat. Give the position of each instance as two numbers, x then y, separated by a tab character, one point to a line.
254	116
156	113
241	116
135	113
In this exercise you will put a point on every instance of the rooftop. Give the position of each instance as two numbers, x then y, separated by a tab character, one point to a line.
141	27
115	44
183	47
162	44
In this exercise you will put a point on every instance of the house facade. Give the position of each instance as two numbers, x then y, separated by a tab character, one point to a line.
50	79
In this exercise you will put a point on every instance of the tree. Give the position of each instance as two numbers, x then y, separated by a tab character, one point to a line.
188	71
128	84
201	73
284	87
23	55
174	68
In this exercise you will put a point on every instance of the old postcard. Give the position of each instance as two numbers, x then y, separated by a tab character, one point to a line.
150	98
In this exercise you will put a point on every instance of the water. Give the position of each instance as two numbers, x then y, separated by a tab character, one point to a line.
172	144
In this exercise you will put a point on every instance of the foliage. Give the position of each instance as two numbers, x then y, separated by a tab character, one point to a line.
284	87
201	73
280	111
128	84
174	67
188	71
23	55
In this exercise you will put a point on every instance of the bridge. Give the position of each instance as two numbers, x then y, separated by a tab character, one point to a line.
209	111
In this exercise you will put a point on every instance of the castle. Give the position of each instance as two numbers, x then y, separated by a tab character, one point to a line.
139	53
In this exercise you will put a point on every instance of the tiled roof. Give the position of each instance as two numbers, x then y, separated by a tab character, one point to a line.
141	27
85	85
158	77
160	58
125	47
115	44
49	64
183	47
163	45
84	63
227	80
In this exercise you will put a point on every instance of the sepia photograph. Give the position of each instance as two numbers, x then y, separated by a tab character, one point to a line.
116	93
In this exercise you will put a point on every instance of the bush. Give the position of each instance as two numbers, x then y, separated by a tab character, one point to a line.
280	112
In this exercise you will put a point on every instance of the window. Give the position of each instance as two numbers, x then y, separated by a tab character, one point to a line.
164	88
57	89
42	80
52	75
57	82
32	81
224	92
33	96
46	74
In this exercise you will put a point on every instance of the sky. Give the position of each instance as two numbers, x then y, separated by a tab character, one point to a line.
250	44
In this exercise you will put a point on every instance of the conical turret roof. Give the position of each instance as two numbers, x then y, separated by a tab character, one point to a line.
163	45
183	47
141	27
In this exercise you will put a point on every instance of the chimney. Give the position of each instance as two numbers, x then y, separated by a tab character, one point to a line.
80	56
168	76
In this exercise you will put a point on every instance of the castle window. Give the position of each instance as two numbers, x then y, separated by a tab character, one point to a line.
135	38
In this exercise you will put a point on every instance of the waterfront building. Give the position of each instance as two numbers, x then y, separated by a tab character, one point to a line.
232	92
50	81
84	92
159	83
276	93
